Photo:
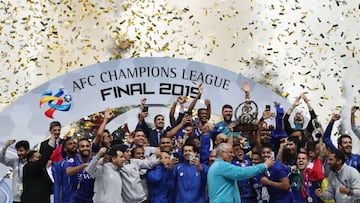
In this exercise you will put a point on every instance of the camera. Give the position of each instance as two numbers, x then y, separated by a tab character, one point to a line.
318	135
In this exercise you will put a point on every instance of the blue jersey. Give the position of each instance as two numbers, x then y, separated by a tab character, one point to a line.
190	183
221	127
181	133
302	188
275	173
353	160
82	183
62	187
245	186
262	195
160	184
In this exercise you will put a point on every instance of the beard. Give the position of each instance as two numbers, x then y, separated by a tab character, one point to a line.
227	118
287	155
85	153
333	168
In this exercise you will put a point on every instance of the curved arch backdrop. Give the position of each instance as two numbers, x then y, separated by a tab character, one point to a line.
117	83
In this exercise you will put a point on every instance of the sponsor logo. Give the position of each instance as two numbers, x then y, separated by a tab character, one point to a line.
57	102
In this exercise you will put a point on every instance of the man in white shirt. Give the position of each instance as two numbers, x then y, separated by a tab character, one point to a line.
344	181
17	164
108	183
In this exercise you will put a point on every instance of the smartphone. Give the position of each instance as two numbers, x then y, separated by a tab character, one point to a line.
267	108
273	154
192	156
357	107
107	151
145	109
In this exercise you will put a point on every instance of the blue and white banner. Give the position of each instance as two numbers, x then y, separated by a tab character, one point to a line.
118	83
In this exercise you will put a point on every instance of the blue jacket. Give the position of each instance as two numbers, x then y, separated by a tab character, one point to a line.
190	183
223	177
353	160
160	184
278	132
62	186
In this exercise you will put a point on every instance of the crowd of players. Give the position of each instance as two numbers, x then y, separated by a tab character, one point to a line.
193	160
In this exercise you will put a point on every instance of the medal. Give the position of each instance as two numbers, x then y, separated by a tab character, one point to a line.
309	199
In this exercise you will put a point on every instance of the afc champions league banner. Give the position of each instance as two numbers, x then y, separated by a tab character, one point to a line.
118	83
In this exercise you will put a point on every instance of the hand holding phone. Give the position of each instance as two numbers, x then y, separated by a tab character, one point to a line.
267	108
273	154
145	109
192	156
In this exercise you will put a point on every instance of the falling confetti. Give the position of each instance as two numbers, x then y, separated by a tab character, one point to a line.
288	46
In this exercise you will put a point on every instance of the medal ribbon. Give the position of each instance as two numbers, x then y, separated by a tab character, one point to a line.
342	182
305	183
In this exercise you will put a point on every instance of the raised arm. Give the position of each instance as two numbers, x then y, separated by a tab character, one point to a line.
287	125
181	100
205	144
172	112
246	89
307	102
6	160
208	107
101	129
241	173
355	129
39	165
141	122
327	133
193	102
279	129
172	132
309	127
71	170
230	141
93	168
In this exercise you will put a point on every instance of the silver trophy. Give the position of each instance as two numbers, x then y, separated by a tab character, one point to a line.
246	116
